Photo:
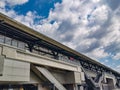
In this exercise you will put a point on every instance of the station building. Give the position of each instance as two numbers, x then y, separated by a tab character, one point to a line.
30	60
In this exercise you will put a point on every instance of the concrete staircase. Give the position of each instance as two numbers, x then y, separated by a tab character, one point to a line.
51	78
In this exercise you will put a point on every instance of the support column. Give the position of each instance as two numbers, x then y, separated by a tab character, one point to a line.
76	87
81	88
101	87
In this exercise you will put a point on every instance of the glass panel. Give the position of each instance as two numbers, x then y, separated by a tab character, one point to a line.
8	40
14	43
34	51
21	45
1	39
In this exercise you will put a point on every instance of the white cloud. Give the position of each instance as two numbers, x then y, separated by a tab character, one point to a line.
106	60
100	14
73	10
89	26
96	1
117	56
16	2
117	68
2	4
86	26
97	53
26	20
48	29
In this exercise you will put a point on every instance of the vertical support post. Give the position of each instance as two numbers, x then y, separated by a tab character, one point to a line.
30	46
81	88
76	87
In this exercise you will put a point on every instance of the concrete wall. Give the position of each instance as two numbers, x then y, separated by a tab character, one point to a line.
22	55
60	76
15	66
34	79
15	71
69	77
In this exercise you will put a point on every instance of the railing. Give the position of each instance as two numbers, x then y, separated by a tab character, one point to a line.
11	42
73	61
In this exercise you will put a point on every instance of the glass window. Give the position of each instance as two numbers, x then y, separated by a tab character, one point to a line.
8	40
35	51
14	43
1	39
21	45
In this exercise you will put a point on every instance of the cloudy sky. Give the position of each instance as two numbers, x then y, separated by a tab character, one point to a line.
91	27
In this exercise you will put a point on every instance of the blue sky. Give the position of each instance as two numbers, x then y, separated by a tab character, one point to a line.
91	27
41	7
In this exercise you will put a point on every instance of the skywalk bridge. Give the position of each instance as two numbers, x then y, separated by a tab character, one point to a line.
31	61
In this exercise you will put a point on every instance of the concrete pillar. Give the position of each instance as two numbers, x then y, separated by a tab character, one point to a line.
101	86
81	88
76	87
